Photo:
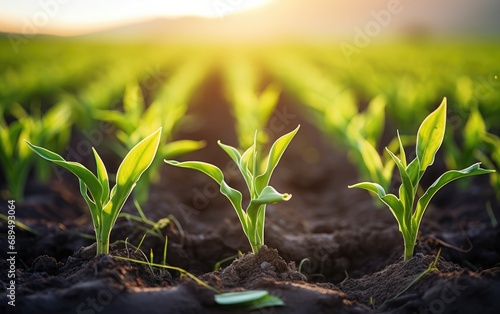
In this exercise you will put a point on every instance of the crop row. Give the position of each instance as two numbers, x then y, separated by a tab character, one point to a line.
144	95
139	88
256	168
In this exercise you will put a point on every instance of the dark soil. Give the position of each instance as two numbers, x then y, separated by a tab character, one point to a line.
348	250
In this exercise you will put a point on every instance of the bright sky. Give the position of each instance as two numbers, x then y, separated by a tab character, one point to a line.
92	14
283	17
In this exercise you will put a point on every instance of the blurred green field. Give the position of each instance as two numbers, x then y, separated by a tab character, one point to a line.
71	82
412	76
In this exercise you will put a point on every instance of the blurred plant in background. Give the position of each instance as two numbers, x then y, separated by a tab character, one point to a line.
167	110
250	106
52	129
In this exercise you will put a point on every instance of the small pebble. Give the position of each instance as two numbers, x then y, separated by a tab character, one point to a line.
267	266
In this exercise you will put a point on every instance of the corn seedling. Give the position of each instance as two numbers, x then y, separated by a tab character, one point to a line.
363	136
493	160
477	143
166	111
15	158
108	84
250	108
429	139
495	177
51	129
472	140
330	104
257	176
105	204
334	109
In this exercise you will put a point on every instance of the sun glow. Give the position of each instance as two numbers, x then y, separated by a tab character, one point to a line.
63	17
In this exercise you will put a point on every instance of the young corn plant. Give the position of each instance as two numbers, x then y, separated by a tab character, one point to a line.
408	215
167	110
257	176
492	161
362	136
106	204
334	109
106	88
477	143
472	135
252	109
51	129
16	159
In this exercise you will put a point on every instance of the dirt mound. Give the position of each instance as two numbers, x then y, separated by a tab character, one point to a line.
248	270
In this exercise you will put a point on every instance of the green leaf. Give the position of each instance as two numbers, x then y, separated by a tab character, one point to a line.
215	173
444	179
402	153
494	142
277	150
267	102
248	300
269	196
354	129
85	175
133	102
102	176
474	130
371	161
25	133
241	162
210	170
267	301
394	204
369	186
406	140
95	212
387	173
430	136
413	170
115	117
56	120
397	210
181	147
406	190
232	152
374	119
132	167
232	298
252	220
10	138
